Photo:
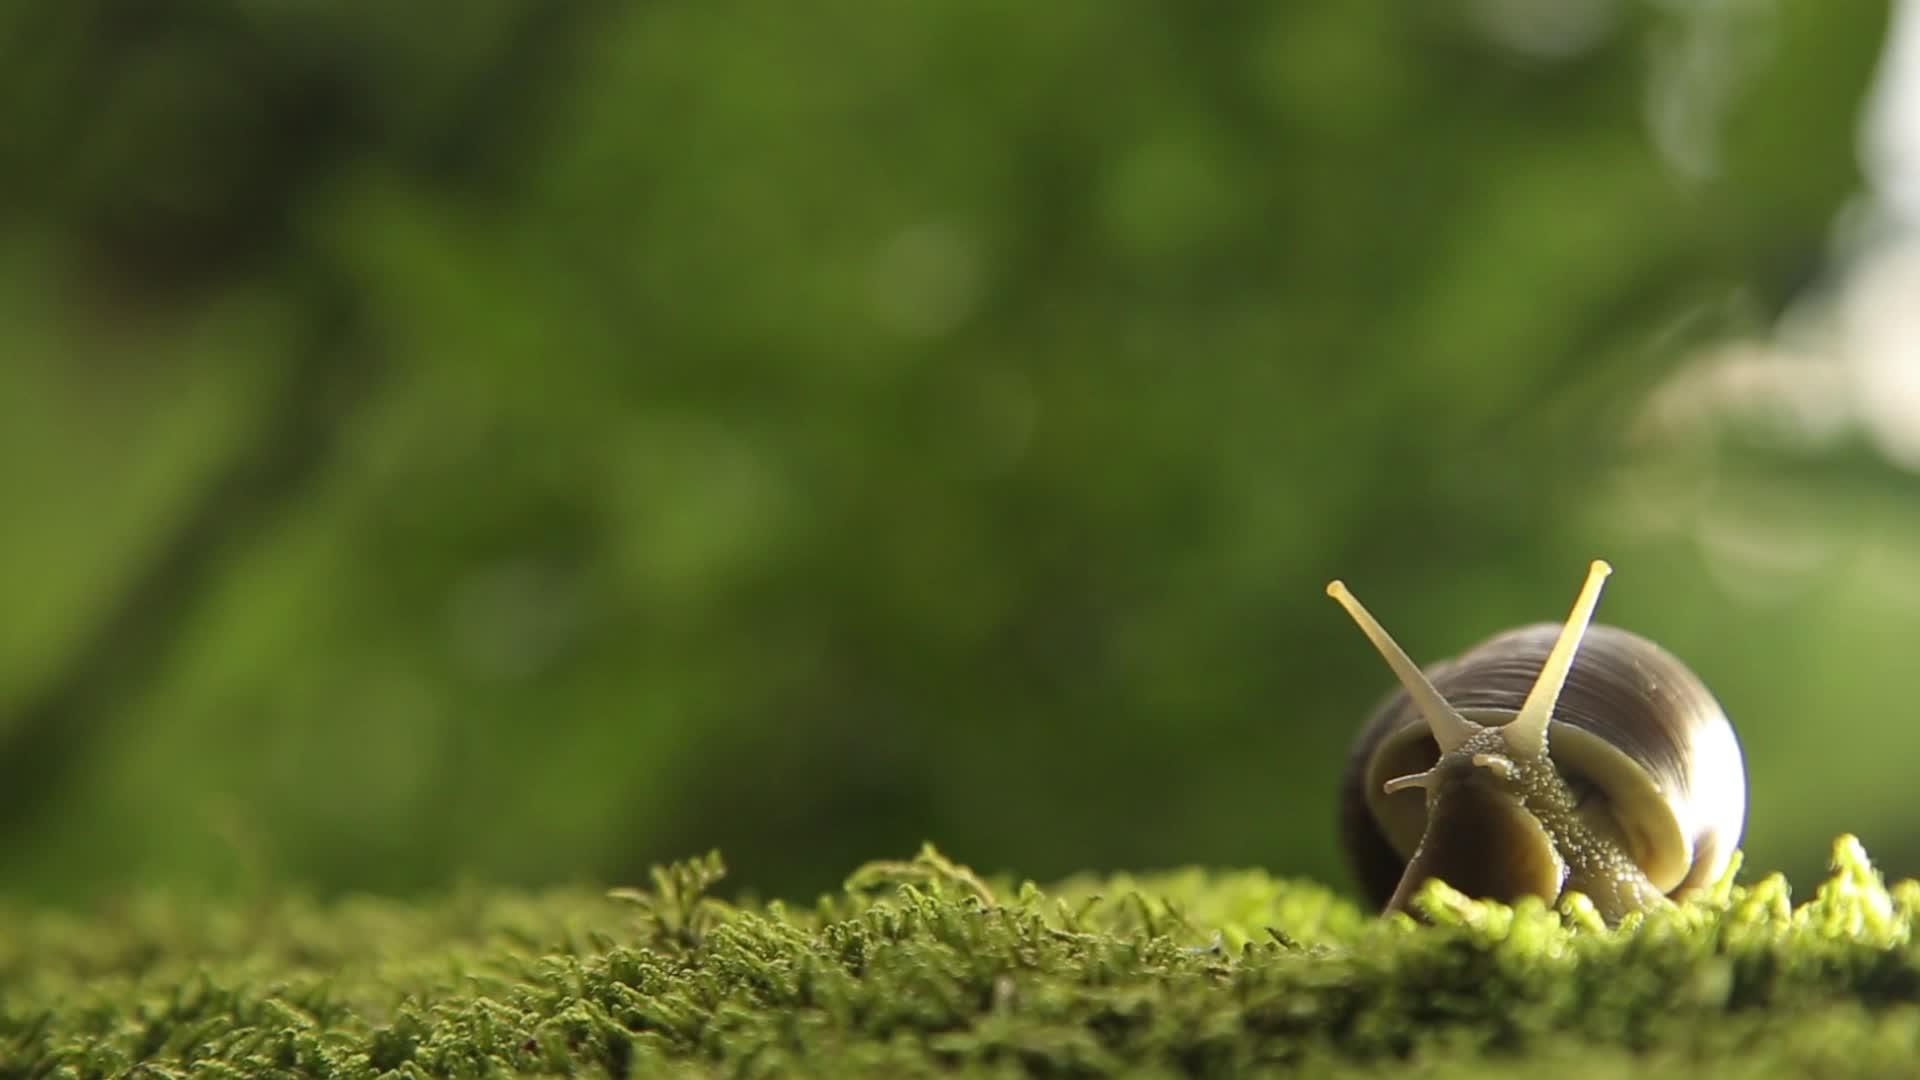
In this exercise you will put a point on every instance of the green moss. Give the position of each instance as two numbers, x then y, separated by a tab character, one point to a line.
921	966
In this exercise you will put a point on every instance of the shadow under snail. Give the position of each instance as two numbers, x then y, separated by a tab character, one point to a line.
1545	760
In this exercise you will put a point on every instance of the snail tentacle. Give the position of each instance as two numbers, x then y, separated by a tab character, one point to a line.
1450	729
1527	733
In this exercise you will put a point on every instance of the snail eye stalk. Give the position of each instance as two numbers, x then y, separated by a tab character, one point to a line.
1526	733
1450	729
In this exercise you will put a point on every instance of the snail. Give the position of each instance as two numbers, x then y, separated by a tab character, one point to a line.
1543	761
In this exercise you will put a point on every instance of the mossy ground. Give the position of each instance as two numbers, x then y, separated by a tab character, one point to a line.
920	967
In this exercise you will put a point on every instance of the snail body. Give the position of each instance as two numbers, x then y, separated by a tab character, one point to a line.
1544	760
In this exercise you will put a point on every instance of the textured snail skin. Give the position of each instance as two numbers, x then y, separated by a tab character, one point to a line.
1482	841
1504	837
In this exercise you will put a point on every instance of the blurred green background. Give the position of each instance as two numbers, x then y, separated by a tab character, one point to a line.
529	440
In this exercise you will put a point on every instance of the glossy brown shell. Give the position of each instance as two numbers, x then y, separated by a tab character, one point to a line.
1633	726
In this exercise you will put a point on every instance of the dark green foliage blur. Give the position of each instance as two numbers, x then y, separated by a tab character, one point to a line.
530	440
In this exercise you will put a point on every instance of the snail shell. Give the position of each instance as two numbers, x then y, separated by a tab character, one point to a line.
1633	794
